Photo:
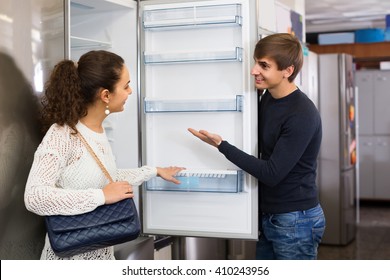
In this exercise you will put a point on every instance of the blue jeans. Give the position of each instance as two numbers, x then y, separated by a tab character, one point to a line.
291	236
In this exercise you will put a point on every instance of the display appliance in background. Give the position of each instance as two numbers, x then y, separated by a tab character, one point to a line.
338	155
374	133
32	42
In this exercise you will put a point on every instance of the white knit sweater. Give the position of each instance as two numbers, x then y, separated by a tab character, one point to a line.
65	179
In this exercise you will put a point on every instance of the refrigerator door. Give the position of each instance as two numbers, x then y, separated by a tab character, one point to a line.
347	112
337	168
337	108
195	69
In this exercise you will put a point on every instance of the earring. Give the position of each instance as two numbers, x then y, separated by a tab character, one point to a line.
107	111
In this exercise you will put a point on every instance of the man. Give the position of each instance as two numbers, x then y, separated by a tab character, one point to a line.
291	219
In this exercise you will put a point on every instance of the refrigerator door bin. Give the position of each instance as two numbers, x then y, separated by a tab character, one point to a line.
192	16
191	57
212	105
220	181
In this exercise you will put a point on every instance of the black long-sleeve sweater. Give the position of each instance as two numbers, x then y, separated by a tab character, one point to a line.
290	135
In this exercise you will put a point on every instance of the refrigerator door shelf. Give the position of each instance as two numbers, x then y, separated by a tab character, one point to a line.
233	104
193	16
188	57
220	181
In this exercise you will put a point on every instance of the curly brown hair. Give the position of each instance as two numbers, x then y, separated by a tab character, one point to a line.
72	88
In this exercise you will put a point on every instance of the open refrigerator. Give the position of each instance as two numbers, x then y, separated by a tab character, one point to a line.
195	72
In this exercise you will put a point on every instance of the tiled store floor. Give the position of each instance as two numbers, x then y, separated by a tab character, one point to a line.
372	240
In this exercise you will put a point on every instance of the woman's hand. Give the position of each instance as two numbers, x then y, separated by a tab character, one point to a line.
210	138
117	191
168	173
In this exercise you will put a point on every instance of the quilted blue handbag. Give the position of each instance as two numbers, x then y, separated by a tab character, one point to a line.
107	225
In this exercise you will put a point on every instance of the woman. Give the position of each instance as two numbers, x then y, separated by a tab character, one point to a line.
64	178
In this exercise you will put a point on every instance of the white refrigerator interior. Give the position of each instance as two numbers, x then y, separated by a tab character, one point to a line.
111	26
195	72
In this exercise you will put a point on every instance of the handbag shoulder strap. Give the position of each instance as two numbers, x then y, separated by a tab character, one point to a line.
95	157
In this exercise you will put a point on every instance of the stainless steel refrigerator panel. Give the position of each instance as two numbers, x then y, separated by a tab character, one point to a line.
374	133
365	83
195	248
338	155
366	166
241	250
141	248
330	191
329	107
337	108
32	41
338	199
348	210
382	167
347	111
381	101
32	32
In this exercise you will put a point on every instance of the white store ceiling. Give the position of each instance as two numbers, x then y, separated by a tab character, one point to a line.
342	15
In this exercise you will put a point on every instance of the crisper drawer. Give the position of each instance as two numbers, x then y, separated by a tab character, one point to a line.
224	181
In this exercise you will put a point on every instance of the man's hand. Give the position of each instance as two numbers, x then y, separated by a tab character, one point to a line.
210	138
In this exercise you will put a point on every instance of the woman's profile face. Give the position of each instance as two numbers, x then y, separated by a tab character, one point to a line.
121	92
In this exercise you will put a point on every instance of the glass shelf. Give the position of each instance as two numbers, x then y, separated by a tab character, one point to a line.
233	104
222	181
229	14
84	43
204	56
